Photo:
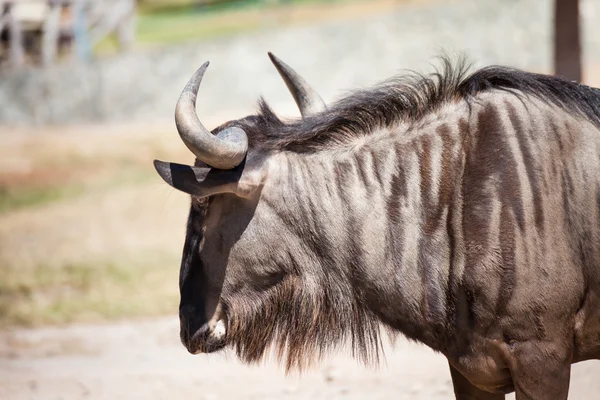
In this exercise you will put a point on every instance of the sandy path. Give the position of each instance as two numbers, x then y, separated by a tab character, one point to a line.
144	360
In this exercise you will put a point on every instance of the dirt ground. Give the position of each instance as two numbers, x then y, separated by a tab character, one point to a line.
144	360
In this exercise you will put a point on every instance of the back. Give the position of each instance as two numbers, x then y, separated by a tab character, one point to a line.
532	218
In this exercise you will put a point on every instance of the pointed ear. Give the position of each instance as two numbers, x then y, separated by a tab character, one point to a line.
204	182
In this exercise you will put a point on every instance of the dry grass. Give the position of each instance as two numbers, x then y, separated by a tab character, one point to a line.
87	231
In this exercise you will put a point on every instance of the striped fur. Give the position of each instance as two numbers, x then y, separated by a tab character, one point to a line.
462	211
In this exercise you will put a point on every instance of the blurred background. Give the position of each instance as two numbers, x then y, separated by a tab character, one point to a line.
91	238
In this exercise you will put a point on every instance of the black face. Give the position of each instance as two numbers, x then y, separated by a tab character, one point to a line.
216	267
198	298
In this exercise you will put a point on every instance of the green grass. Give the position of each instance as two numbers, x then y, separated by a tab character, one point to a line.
143	285
179	27
13	198
212	6
161	22
157	6
74	244
16	197
108	286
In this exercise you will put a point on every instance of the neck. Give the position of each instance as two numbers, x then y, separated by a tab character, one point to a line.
382	219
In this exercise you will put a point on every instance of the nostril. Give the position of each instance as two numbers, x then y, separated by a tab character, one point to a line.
186	311
186	330
190	324
201	334
189	338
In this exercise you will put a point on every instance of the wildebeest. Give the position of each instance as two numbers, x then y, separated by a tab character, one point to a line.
462	210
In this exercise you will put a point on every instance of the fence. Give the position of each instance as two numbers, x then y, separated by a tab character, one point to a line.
40	31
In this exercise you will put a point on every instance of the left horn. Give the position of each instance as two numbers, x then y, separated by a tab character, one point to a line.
226	150
309	102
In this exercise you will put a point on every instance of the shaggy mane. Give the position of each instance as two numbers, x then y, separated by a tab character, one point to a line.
409	98
301	324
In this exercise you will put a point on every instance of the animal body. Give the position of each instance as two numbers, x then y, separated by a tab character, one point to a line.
461	210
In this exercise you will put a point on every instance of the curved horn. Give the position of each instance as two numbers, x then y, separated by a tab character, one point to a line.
226	150
309	102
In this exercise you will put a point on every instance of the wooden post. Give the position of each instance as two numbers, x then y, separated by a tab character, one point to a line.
119	18
13	26
50	34
80	30
3	17
16	43
567	42
126	26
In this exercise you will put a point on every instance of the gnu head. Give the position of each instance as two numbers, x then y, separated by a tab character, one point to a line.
224	227
221	155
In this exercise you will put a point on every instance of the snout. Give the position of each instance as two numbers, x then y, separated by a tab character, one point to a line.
207	337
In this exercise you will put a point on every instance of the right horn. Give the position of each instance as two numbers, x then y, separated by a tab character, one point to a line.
226	150
309	102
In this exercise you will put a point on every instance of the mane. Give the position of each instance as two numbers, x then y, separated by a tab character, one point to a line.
409	98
